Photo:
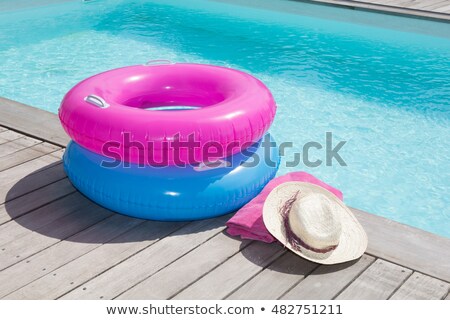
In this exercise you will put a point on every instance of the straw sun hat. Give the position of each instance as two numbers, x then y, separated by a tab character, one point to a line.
313	223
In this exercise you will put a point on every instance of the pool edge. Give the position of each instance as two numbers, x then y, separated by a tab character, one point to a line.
382	8
33	122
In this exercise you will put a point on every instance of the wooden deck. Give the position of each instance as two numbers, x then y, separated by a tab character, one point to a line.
434	9
56	244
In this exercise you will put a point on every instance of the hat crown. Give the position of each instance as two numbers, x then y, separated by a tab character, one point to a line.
315	220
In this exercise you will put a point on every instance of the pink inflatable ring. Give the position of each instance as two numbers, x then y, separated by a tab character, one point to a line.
224	111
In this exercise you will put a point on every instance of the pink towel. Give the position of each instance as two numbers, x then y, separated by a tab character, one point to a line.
248	221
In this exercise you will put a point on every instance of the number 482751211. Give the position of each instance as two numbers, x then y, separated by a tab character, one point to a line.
306	309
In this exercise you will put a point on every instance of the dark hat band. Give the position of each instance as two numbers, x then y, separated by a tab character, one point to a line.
291	237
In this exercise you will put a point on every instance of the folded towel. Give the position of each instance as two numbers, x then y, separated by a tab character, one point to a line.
248	221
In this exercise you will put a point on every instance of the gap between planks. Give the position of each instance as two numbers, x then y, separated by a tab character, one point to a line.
148	261
26	154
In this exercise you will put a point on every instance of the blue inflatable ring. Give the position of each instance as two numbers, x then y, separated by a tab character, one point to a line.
172	193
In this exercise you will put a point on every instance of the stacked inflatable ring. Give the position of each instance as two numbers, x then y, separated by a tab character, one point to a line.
171	141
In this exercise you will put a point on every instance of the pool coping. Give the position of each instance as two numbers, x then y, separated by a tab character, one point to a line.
405	245
383	8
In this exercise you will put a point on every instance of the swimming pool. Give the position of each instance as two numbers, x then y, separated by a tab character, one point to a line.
379	82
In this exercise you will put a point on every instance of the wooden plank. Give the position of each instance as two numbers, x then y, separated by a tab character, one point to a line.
276	279
26	154
62	228
42	216
432	6
58	154
406	4
444	9
29	176
95	262
32	122
9	135
227	277
378	282
48	260
327	281
394	3
35	199
186	270
393	241
385	8
130	272
16	145
15	174
421	287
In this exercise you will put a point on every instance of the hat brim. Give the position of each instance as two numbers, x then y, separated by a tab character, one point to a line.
353	240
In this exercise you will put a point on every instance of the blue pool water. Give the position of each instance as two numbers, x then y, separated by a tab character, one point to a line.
381	83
